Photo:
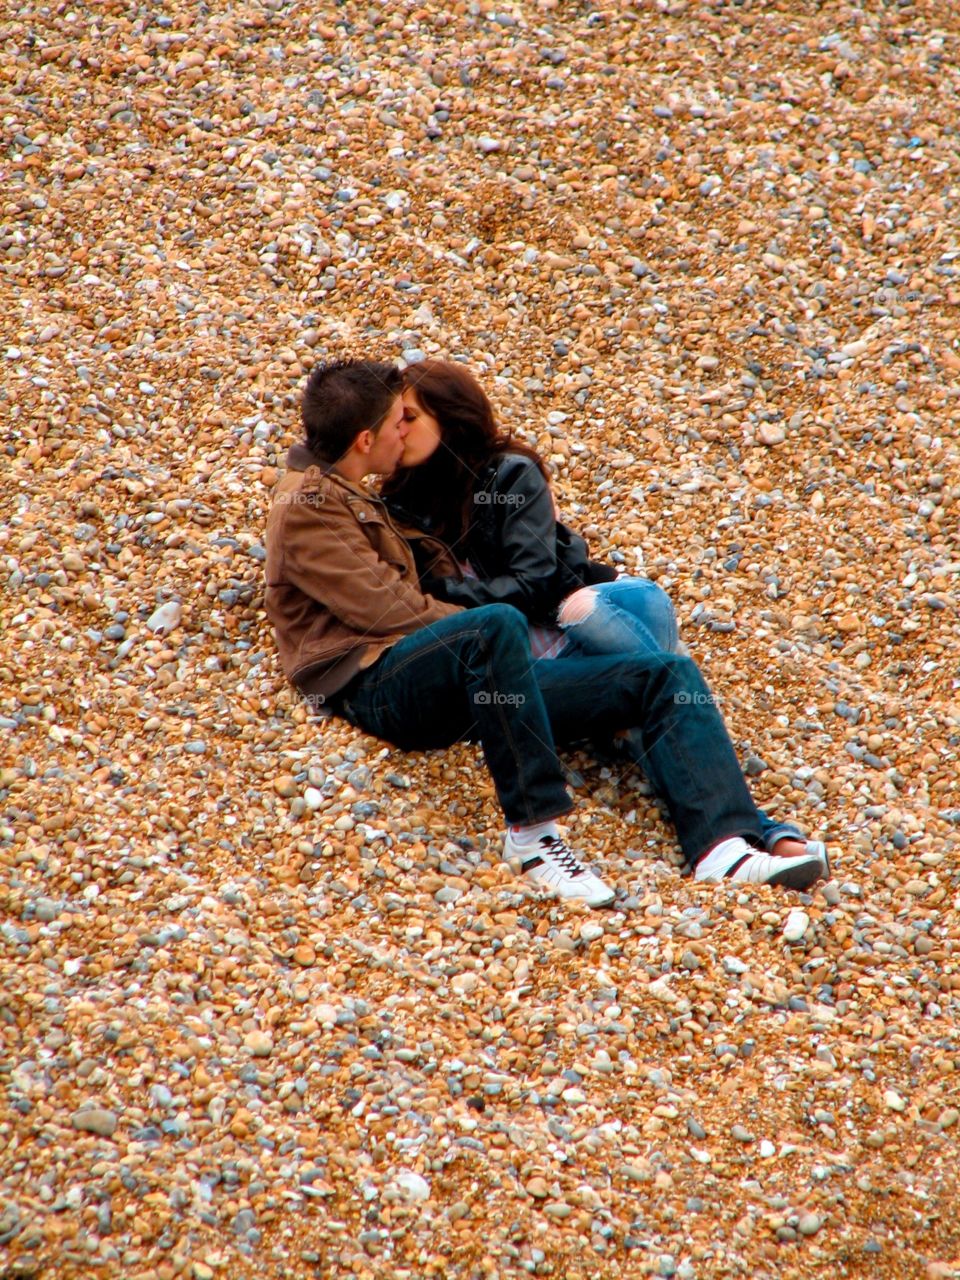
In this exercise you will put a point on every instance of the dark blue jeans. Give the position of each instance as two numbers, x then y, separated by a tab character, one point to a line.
634	615
471	676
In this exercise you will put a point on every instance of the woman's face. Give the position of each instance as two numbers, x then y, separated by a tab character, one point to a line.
423	431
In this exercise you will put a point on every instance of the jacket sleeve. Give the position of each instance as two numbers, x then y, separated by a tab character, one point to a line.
528	547
327	556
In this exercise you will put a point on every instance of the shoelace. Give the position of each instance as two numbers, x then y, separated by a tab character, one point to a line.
562	855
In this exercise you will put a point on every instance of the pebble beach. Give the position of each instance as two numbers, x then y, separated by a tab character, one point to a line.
271	1004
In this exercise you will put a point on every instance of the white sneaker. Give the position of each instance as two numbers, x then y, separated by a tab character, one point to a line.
816	849
819	850
550	862
737	861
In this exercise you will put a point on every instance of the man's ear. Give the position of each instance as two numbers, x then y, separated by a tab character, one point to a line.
364	441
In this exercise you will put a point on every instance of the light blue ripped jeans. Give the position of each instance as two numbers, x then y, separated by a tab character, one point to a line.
634	615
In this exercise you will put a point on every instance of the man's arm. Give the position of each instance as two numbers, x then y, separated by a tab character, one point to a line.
326	555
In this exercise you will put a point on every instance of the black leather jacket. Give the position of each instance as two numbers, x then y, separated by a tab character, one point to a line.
521	553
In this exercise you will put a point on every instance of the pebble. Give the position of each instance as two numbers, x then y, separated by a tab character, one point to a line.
447	895
10	1221
771	433
414	1188
831	893
166	618
96	1120
160	1096
259	1043
796	925
558	1210
312	797
286	957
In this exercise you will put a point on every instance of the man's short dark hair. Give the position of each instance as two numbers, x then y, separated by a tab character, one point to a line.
343	398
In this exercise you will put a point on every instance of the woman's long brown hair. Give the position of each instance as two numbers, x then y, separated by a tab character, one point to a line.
442	487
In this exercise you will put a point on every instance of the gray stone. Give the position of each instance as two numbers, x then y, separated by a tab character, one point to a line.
10	1221
796	925
831	893
96	1120
244	1221
448	894
166	618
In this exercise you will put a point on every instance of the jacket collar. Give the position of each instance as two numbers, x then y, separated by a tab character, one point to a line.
300	456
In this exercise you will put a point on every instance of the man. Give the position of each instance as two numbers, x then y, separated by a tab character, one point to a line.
356	632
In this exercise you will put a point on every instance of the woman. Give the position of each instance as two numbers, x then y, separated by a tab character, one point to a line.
487	496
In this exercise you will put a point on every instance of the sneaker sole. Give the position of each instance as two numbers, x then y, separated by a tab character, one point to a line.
591	902
573	897
798	877
600	902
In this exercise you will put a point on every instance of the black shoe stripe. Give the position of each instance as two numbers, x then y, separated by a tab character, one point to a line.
739	863
535	861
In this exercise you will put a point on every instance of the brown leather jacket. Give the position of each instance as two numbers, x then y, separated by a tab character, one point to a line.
341	580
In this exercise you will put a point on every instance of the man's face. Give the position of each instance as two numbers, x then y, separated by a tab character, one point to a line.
387	448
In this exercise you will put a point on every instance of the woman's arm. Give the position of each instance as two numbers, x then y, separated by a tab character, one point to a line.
521	515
